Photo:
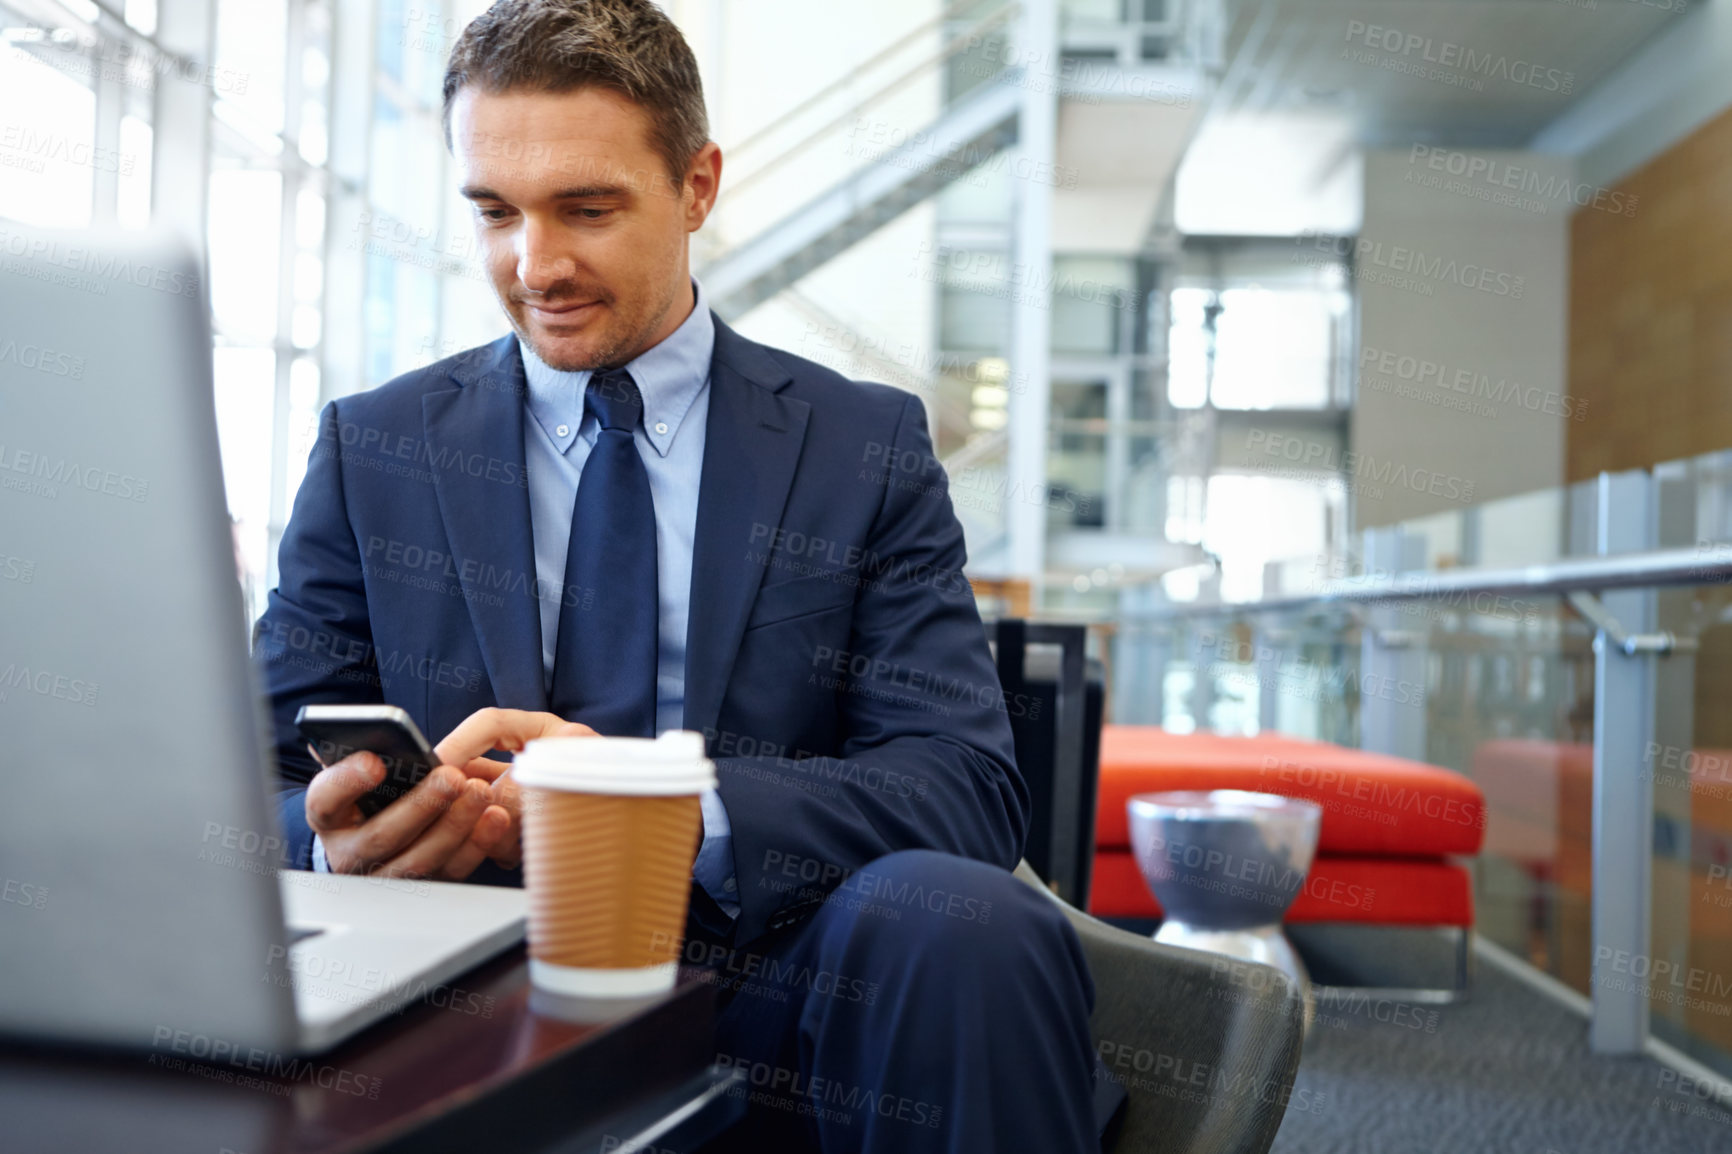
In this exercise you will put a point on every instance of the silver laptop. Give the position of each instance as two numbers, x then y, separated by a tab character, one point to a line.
140	903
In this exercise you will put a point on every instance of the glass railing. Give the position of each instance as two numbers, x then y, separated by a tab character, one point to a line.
1571	652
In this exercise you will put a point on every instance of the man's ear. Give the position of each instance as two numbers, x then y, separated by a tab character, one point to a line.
703	181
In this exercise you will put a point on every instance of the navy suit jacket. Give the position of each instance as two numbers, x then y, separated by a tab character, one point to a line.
836	664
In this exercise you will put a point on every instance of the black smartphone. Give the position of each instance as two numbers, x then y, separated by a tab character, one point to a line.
336	731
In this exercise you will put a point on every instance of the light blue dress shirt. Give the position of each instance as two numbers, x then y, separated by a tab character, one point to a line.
558	434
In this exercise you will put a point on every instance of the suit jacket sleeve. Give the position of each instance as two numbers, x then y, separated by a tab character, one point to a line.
926	759
313	644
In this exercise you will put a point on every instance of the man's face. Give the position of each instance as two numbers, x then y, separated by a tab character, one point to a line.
583	232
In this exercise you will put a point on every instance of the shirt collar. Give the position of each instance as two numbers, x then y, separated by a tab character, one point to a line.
669	375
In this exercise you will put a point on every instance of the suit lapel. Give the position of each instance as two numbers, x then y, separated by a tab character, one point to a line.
752	443
475	443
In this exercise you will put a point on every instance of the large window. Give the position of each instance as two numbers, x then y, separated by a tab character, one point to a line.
1259	354
1256	347
297	143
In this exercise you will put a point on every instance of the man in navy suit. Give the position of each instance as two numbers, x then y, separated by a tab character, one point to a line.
625	518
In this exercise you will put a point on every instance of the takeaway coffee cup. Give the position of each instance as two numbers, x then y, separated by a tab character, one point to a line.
610	828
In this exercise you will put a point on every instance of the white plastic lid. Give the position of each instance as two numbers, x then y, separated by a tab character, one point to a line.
668	766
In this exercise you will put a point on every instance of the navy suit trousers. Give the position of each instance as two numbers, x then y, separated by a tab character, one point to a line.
932	1003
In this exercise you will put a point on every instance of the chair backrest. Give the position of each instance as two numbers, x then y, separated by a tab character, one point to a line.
1207	1047
1054	696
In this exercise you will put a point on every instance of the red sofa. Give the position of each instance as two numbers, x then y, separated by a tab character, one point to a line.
1388	831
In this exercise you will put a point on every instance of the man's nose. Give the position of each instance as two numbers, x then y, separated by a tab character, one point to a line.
541	262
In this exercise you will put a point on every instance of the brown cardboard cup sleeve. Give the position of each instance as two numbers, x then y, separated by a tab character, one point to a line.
610	829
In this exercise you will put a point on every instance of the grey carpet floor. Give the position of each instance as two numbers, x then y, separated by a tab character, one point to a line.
1506	1071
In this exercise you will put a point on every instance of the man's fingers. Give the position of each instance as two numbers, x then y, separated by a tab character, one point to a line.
486	836
508	729
393	828
507	798
506	792
431	829
485	768
333	792
429	853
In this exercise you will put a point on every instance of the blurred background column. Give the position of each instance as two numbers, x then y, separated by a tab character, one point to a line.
1031	311
180	144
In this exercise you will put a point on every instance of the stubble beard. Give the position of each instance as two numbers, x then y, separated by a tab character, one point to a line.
610	355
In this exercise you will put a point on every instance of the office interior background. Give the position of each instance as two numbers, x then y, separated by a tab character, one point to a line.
1298	348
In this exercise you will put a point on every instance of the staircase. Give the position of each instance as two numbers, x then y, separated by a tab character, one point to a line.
967	134
979	126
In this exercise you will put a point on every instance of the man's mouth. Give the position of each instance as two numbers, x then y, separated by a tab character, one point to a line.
563	312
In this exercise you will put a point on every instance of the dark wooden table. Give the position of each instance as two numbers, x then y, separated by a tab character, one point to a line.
474	1067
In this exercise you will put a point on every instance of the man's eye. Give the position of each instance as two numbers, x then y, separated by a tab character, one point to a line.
594	213
494	214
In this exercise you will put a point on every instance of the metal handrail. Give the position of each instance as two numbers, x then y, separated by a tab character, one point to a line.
951	47
843	81
978	451
1663	567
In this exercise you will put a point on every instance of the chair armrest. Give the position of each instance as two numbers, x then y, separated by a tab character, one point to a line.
1207	1047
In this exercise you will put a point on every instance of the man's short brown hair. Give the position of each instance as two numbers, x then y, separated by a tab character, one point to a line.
629	46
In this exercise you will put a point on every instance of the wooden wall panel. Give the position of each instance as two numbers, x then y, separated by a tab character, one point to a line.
1651	313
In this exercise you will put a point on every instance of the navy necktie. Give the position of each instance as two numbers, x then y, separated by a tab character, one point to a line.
604	664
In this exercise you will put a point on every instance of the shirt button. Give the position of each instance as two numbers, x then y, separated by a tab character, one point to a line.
662	427
561	430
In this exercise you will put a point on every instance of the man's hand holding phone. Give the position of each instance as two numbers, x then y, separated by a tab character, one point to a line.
463	812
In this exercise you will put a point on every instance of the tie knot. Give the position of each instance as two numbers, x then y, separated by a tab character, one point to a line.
613	397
